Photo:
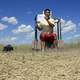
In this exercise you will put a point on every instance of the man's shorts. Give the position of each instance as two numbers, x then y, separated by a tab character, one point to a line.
49	37
43	36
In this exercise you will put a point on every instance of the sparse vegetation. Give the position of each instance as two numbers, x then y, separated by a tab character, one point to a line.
25	64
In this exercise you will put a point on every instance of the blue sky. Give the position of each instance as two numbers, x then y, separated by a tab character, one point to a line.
17	18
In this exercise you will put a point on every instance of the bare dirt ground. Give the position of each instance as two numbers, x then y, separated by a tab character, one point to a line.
51	65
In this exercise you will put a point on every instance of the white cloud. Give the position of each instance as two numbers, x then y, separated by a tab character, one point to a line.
78	24
13	38
5	18
2	26
74	37
68	38
77	36
63	22
8	40
11	20
32	34
23	29
68	26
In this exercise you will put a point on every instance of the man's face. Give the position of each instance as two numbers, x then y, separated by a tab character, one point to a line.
47	13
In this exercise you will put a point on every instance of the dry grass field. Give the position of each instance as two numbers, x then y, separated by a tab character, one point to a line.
25	64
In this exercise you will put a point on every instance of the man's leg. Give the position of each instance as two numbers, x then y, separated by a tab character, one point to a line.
42	40
42	45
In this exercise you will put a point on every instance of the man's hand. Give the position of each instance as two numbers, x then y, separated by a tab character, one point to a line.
38	27
50	24
47	18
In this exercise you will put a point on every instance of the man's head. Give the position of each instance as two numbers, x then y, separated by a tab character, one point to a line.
47	12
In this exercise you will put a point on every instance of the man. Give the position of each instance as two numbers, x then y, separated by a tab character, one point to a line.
46	25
